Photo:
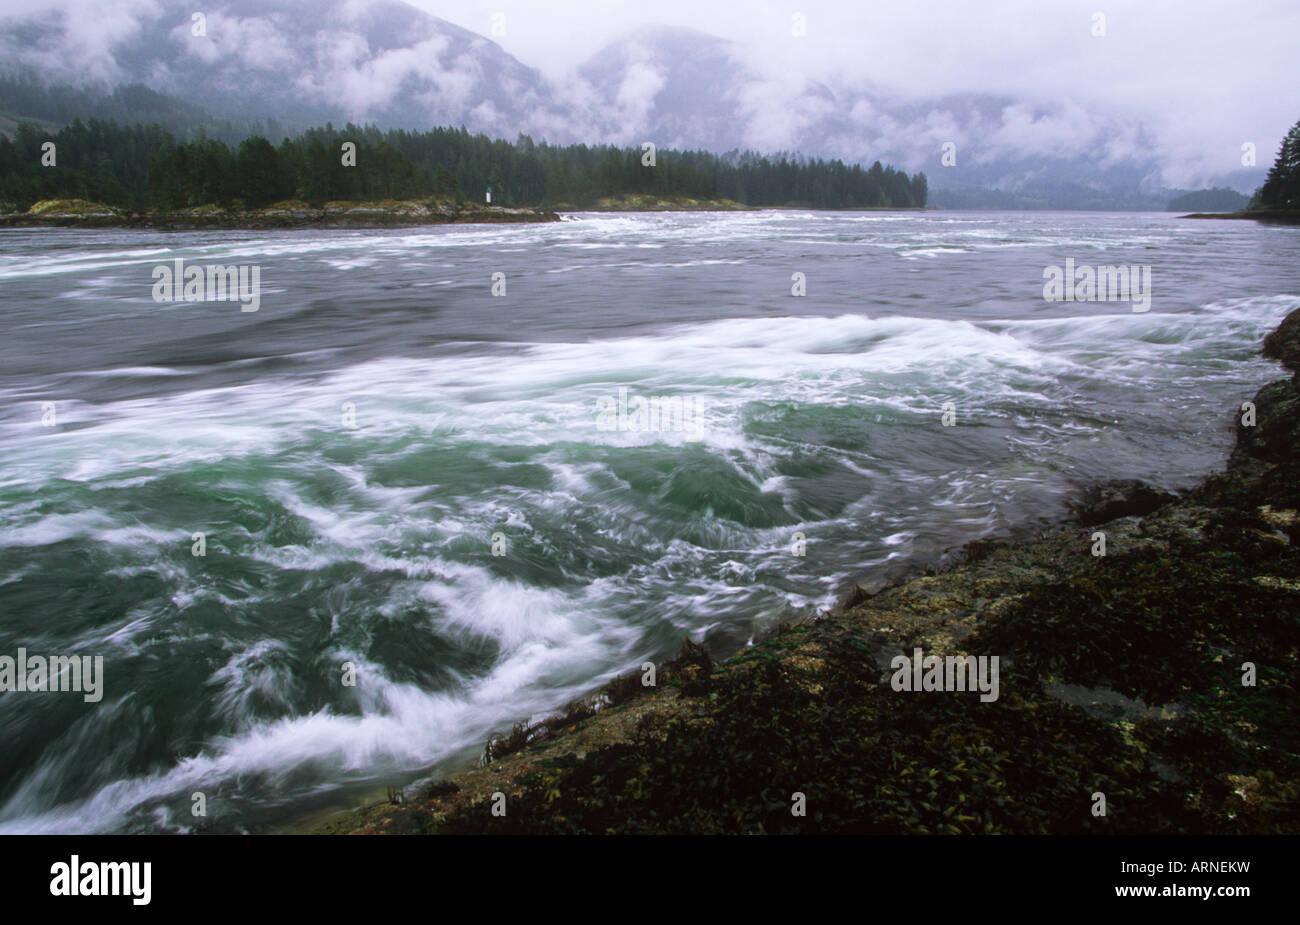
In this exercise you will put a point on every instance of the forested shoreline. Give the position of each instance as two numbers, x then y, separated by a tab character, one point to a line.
144	167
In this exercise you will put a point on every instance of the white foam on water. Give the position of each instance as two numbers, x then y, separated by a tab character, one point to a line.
540	401
401	727
540	394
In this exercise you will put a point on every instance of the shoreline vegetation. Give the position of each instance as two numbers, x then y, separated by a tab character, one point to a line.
1124	675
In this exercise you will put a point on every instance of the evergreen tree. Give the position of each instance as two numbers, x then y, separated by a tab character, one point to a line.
445	186
1281	189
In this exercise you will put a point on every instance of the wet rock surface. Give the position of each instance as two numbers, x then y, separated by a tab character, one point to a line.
1283	344
1273	434
1122	498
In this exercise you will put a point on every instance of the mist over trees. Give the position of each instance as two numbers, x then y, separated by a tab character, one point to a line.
144	166
26	96
1219	199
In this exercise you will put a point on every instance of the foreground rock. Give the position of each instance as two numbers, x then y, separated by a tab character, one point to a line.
1161	676
1127	498
1283	344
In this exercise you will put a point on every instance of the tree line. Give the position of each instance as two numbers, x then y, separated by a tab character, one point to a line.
146	167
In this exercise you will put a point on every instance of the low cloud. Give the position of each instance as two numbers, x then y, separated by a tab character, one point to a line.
1174	88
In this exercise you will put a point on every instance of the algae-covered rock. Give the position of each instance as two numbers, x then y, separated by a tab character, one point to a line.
1121	498
70	207
290	205
1283	344
1274	434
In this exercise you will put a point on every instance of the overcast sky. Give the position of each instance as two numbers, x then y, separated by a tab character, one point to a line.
1227	69
1207	50
1209	54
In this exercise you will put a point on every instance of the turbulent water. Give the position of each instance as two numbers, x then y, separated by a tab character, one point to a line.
354	450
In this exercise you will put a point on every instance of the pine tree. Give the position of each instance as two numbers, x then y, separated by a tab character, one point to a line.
1281	190
444	186
258	169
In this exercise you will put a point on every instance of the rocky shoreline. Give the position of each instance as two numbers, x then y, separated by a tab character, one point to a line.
1158	680
1268	216
637	202
386	214
80	213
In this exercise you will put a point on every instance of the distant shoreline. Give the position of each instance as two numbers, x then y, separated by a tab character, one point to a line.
648	204
388	214
1274	216
82	214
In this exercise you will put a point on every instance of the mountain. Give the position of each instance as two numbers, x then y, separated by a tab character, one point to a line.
298	61
385	62
676	87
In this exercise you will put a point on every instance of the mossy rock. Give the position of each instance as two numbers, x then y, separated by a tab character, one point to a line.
70	207
1120	498
1275	435
1283	344
289	205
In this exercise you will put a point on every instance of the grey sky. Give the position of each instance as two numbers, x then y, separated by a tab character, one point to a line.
1207	50
1206	72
